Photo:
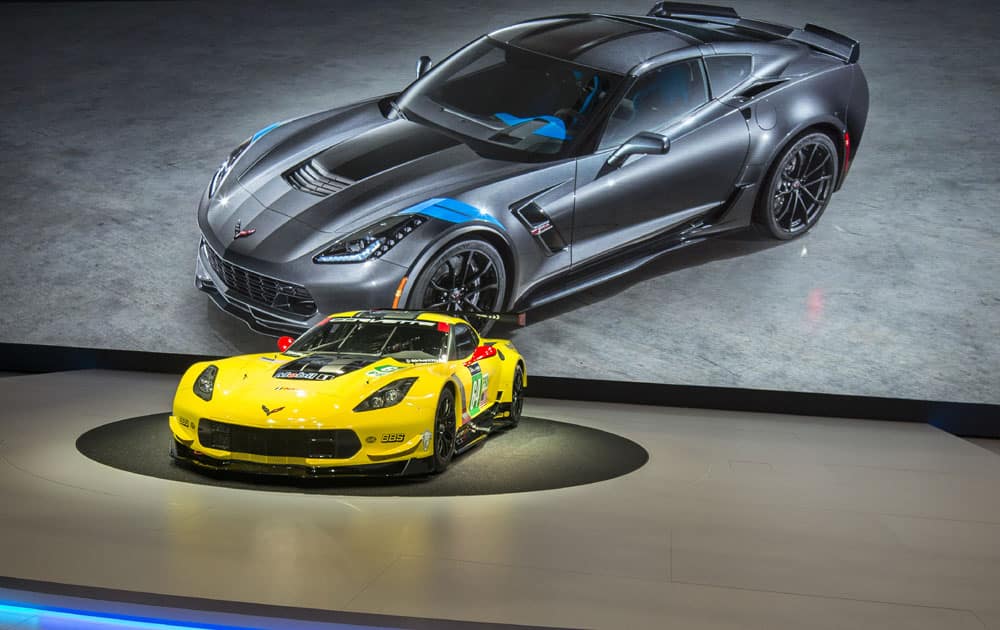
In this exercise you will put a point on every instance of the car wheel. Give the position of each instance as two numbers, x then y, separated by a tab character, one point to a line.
798	187
517	396
444	430
468	276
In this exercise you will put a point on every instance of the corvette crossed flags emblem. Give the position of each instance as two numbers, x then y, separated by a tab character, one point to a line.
268	412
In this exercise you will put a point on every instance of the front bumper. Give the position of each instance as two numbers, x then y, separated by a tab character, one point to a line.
414	466
331	288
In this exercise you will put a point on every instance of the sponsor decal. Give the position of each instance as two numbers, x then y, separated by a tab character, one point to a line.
392	438
268	412
382	370
303	376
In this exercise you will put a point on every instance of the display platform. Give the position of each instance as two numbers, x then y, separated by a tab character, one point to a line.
538	454
737	520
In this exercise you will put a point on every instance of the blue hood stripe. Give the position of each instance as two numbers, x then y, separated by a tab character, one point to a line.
452	211
263	132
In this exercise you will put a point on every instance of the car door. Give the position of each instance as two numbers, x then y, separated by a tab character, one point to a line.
652	194
476	373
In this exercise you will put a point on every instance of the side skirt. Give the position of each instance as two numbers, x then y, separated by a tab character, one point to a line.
729	217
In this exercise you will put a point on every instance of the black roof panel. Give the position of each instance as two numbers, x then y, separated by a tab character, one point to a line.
593	40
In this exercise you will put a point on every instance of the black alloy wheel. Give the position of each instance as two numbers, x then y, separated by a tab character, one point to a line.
444	430
468	277
799	187
517	396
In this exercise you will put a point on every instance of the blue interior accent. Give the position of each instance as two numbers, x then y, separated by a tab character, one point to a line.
590	97
555	128
452	211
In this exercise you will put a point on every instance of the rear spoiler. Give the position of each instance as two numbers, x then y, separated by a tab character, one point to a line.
822	39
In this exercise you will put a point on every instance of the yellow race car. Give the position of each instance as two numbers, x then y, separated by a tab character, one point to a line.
380	392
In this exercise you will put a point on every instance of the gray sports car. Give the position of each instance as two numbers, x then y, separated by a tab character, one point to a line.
535	161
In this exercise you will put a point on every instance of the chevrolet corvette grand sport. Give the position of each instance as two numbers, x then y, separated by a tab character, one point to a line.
361	393
536	161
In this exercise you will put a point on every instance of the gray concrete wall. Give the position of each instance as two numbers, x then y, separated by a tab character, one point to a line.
114	116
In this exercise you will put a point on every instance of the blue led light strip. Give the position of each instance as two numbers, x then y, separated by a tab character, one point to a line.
44	617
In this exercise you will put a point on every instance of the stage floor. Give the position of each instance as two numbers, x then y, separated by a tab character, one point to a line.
737	520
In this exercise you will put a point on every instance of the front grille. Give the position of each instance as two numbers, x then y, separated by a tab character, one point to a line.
314	443
283	296
311	177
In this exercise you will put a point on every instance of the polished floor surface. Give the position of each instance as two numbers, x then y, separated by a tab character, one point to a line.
737	521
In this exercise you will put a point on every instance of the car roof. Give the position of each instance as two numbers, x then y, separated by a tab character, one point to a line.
617	43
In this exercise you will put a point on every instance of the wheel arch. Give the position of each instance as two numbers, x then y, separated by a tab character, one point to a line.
830	126
501	242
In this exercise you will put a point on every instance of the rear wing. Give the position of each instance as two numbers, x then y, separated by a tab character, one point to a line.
822	39
514	319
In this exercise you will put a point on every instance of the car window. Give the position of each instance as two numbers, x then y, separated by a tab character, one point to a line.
406	340
657	99
511	98
465	341
726	72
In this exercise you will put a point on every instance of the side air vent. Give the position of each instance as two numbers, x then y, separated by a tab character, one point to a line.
310	177
759	88
540	226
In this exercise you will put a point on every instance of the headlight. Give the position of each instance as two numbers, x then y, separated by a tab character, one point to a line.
227	166
204	385
371	242
391	394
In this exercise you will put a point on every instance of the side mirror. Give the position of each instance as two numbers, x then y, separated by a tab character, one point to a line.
423	65
642	143
284	343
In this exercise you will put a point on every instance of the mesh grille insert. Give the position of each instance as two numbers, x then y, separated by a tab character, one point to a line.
313	443
283	296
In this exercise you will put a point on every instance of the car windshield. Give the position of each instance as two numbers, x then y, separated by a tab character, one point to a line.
510	97
405	340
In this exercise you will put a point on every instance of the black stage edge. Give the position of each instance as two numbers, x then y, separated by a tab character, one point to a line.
963	419
107	601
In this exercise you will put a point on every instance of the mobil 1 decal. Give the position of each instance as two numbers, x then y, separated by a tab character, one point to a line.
480	382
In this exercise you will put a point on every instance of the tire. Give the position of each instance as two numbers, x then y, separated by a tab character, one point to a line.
798	187
445	424
516	396
468	276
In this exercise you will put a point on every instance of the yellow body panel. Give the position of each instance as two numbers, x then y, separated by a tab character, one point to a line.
247	394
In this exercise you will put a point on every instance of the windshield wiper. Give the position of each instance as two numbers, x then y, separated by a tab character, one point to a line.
478	121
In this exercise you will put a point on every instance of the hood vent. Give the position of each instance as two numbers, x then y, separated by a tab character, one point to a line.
310	177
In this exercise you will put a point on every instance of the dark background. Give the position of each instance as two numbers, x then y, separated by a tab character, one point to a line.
115	115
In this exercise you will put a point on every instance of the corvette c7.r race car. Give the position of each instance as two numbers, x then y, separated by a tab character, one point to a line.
382	393
535	161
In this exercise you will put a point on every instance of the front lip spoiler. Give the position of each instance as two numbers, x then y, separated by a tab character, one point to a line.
184	455
257	319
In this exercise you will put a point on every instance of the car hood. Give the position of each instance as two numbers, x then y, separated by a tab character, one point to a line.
281	390
389	167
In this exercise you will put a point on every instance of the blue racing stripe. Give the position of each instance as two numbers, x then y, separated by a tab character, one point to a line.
452	211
